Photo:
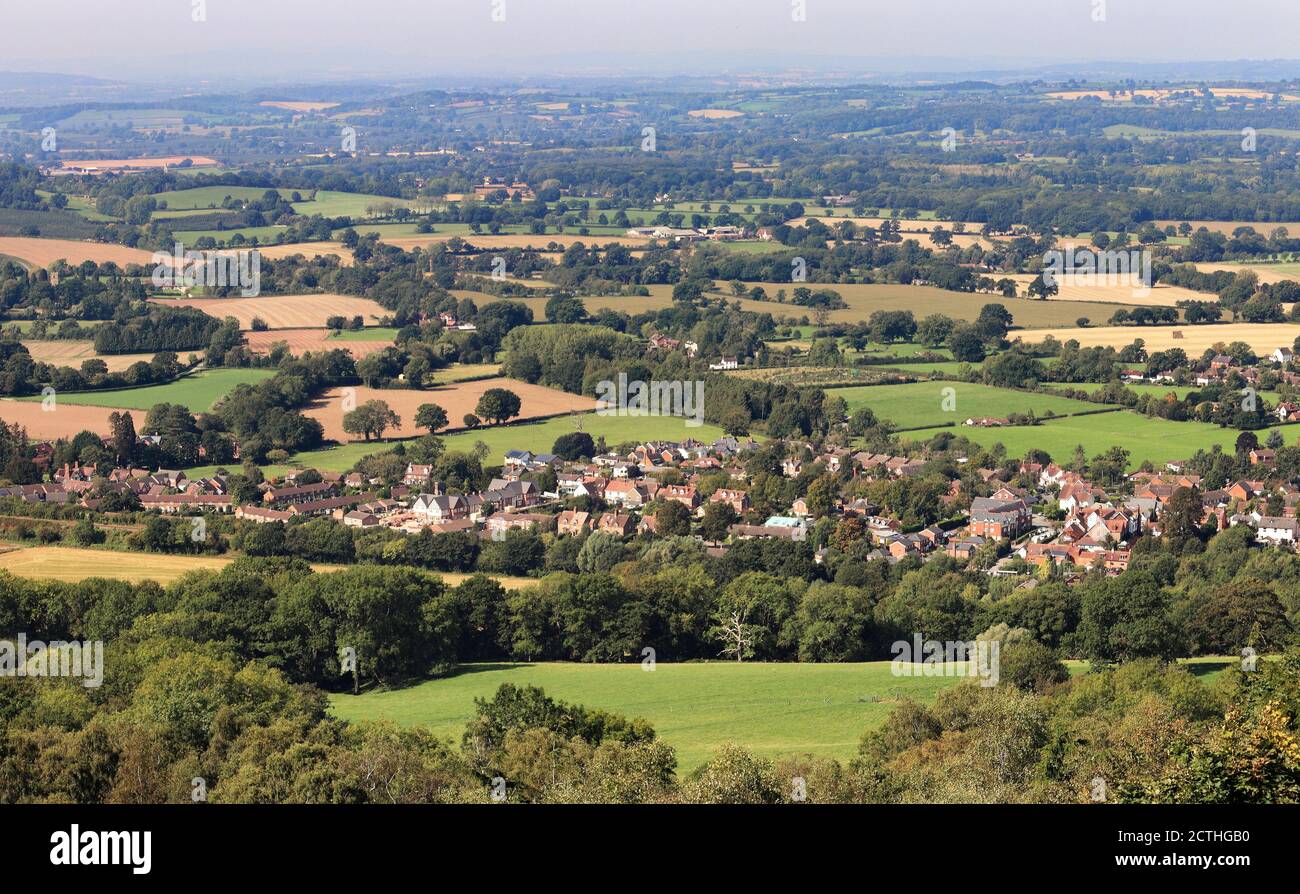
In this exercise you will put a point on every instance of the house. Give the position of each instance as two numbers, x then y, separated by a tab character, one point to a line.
170	504
621	492
1262	455
617	524
261	516
417	475
737	499
359	519
434	508
1274	530
503	522
1282	355
679	493
572	522
999	518
299	494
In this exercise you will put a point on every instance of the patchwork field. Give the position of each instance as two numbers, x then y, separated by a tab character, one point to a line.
199	391
70	352
64	421
1268	274
1157	440
302	340
509	240
44	252
457	400
1262	337
923	403
283	311
1227	226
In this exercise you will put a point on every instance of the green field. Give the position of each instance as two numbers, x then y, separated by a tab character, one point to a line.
773	709
1146	438
198	391
204	197
261	234
370	333
922	403
344	204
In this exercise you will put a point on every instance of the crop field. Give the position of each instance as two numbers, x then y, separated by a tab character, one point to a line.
63	421
922	403
1146	438
1268	274
71	564
864	299
459	372
457	400
105	165
44	252
199	391
307	250
283	311
302	340
1262	337
72	352
1157	296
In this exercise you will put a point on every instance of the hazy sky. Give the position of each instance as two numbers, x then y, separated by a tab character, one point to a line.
309	39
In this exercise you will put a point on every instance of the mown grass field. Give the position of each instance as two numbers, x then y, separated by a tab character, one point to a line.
199	392
1146	438
922	403
773	709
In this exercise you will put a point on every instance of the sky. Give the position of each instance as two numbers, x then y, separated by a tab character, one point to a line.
181	41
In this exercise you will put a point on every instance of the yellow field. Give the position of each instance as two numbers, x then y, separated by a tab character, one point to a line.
71	565
1227	226
283	311
1268	274
1262	337
44	252
1158	296
70	352
715	113
512	240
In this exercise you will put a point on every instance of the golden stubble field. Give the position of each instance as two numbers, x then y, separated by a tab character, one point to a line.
302	340
457	400
283	311
1262	337
63	421
44	252
68	352
1157	296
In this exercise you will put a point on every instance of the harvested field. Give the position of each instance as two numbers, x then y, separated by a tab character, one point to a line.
307	250
512	240
64	421
67	352
715	113
457	400
104	165
283	311
1262	337
44	252
1158	296
301	341
70	565
1268	273
298	106
1227	226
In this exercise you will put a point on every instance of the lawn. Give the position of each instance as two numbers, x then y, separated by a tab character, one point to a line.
923	403
773	709
1146	438
199	392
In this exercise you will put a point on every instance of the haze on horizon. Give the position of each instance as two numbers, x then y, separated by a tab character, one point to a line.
304	40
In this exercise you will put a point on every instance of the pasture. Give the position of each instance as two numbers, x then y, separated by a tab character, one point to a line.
199	391
283	311
923	403
773	709
457	400
1146	438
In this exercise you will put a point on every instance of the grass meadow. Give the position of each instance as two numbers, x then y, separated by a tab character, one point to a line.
199	392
